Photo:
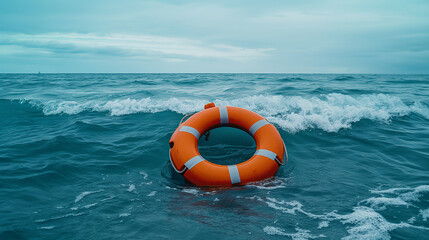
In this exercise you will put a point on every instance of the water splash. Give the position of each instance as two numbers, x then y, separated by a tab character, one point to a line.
330	112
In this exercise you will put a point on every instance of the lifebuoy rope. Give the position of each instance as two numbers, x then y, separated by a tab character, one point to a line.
183	118
285	154
174	167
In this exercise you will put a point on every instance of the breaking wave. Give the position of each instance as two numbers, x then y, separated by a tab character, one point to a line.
330	112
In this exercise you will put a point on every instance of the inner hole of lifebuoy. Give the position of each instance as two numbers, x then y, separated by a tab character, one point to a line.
227	146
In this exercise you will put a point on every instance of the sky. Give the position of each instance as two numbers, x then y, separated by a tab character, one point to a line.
135	36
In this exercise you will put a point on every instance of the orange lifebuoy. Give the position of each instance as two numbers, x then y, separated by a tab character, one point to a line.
186	159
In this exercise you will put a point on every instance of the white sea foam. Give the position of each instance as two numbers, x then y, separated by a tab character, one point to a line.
148	105
425	214
401	196
301	234
131	188
59	217
274	231
415	194
145	177
83	194
323	224
191	191
364	222
382	202
368	224
47	227
144	174
390	190
270	184
287	207
90	205
151	194
124	214
329	112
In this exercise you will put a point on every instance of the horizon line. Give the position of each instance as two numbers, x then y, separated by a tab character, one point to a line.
211	73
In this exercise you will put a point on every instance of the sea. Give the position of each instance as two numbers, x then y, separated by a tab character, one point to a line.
85	156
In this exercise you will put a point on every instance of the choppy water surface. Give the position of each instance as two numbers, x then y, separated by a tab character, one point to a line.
84	156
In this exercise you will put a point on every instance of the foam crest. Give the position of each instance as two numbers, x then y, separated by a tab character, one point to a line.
301	234
382	202
363	222
415	194
425	214
330	112
401	196
323	224
390	190
368	224
148	105
131	187
83	194
47	227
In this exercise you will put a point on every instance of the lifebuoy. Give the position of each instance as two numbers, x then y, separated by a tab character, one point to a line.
186	159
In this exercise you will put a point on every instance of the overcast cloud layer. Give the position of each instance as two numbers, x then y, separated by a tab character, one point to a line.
217	36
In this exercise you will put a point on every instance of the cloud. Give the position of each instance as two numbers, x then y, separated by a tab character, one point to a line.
358	36
128	45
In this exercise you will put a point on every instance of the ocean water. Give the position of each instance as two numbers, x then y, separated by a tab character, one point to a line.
85	156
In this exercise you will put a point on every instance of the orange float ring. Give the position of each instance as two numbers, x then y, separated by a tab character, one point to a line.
186	159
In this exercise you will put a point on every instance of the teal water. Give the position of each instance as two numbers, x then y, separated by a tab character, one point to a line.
85	156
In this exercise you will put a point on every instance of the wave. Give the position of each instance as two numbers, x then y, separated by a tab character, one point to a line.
363	222
330	112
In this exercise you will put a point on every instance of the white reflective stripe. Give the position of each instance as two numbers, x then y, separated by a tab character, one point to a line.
233	173
266	153
194	161
223	115
190	130
257	125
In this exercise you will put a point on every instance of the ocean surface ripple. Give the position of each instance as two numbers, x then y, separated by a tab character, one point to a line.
85	156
